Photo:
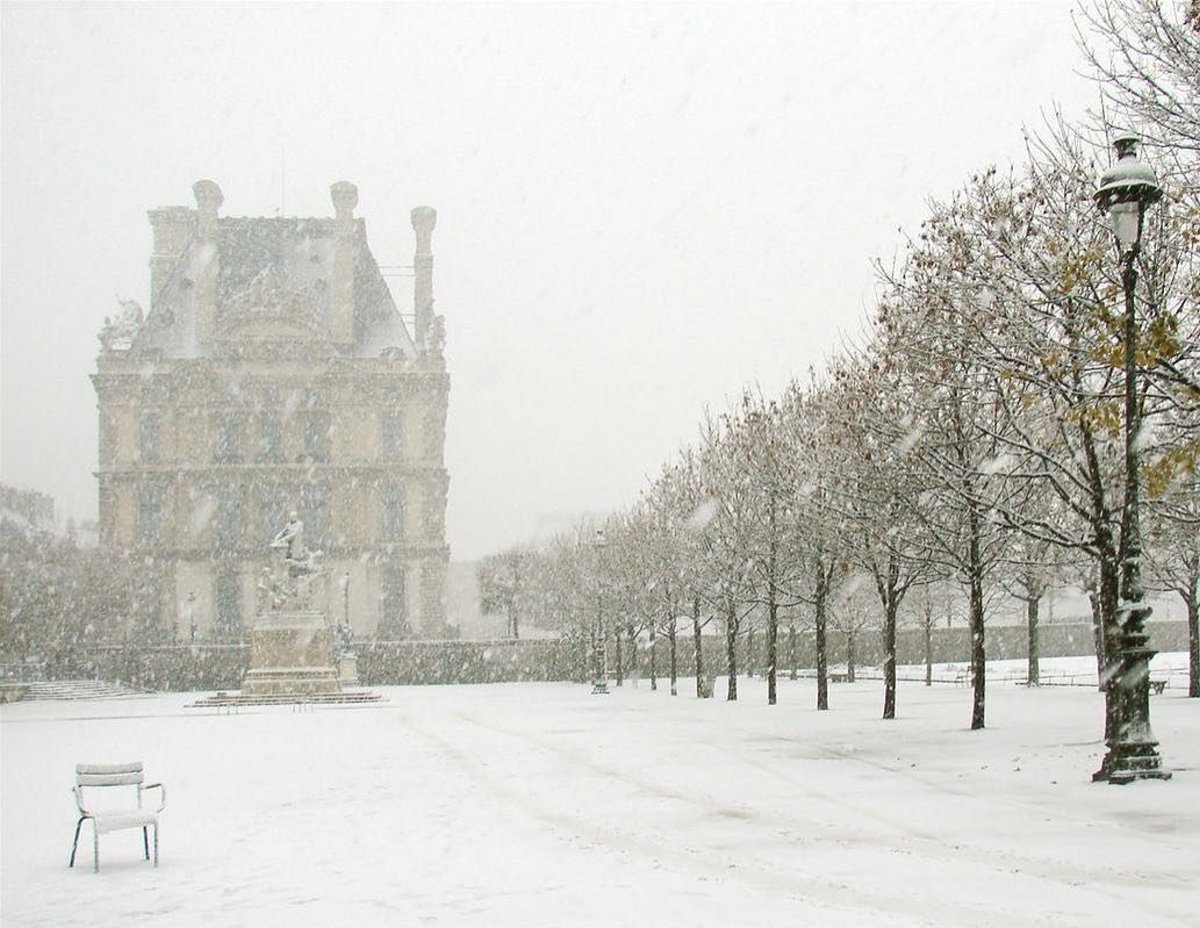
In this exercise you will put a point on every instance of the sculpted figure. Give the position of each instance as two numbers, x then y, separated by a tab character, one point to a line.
291	537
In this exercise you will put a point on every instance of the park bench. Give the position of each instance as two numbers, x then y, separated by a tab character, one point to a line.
110	815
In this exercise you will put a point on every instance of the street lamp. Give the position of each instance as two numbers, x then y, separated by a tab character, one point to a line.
344	635
1126	189
599	668
344	583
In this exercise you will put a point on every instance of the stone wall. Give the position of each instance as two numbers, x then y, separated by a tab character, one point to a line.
499	661
221	667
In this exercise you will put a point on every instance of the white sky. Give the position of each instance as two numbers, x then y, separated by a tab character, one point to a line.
641	208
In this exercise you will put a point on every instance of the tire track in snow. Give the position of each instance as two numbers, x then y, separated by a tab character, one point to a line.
908	840
763	873
834	896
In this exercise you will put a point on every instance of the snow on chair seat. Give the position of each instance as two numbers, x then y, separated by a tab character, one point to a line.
93	777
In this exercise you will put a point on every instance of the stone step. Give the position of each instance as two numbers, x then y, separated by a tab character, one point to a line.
77	689
233	700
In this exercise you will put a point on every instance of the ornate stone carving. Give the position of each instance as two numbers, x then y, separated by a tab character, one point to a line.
119	331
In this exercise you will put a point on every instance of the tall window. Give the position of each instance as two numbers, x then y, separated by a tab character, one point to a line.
316	436
150	514
273	510
229	521
392	512
148	429
314	510
391	436
270	435
432	437
229	439
229	609
393	612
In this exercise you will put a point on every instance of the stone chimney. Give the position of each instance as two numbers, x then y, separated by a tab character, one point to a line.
208	200
345	197
206	262
424	218
172	228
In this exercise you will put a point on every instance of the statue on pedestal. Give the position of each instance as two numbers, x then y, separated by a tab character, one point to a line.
291	584
291	643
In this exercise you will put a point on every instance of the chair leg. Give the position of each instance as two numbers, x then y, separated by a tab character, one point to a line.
95	847
75	843
146	842
156	844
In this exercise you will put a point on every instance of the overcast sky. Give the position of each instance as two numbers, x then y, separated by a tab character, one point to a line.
641	209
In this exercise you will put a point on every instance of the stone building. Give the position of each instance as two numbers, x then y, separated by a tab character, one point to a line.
273	372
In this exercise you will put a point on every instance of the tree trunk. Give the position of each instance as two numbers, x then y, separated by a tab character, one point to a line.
772	646
731	628
699	650
793	656
653	657
772	607
1097	635
821	642
978	651
1031	616
620	661
750	651
850	657
673	637
1193	620
889	656
928	645
891	603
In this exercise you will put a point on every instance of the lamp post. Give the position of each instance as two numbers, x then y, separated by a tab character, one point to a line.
599	670
1126	189
191	616
344	635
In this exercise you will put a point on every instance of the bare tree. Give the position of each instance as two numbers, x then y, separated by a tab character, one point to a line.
1145	57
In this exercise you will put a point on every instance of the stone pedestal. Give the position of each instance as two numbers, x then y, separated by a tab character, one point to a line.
348	669
291	654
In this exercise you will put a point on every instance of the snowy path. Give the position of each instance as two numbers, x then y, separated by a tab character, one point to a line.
539	804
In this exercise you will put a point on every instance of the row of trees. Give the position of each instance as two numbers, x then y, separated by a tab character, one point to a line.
973	436
57	599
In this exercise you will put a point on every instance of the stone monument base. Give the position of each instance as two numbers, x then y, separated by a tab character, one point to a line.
291	662
291	653
291	681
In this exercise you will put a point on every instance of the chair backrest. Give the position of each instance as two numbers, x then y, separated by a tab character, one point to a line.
129	774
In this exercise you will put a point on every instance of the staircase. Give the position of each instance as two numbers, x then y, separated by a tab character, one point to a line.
75	689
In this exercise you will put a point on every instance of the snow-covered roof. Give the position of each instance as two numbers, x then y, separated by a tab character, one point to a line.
282	264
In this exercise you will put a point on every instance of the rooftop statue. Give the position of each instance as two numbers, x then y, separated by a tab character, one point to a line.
118	331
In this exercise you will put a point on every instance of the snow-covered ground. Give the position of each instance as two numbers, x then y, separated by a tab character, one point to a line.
540	804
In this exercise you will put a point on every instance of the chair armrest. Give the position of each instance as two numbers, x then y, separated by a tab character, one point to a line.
79	800
162	794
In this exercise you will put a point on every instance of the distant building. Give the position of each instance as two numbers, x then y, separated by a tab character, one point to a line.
273	372
26	510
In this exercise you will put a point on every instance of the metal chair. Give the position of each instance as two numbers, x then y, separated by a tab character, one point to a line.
107	776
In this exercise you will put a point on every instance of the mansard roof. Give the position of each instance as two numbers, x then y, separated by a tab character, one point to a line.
273	274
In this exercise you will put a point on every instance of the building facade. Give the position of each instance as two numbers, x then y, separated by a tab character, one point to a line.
274	373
